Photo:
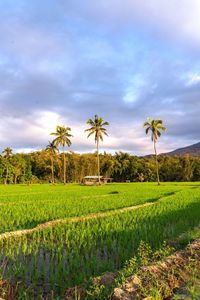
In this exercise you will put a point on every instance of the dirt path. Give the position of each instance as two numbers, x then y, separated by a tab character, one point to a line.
164	277
74	220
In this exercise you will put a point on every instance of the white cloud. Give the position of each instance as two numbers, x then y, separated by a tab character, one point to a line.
193	78
134	88
111	57
174	18
32	131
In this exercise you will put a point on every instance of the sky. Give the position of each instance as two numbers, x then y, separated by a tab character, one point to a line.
63	61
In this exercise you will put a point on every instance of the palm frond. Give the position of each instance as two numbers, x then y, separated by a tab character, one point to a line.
97	128
147	130
154	126
146	124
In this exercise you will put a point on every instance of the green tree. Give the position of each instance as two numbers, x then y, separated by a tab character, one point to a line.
28	173
97	128
196	172
62	139
187	167
7	153
122	166
52	149
155	127
18	166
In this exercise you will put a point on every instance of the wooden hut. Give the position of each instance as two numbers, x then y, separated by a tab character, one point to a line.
92	180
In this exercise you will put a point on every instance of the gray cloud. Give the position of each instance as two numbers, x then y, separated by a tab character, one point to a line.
62	62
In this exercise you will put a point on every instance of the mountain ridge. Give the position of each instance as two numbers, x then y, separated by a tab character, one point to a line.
193	150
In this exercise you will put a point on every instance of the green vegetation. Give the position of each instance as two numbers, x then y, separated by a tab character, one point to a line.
68	254
155	127
62	139
52	150
26	206
7	153
36	167
97	128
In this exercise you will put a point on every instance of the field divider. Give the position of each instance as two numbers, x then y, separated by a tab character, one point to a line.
82	218
73	220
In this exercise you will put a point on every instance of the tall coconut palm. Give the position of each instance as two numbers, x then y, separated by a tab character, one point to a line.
62	139
97	128
155	127
52	149
7	153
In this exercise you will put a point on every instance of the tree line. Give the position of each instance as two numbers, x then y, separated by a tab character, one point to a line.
97	128
51	165
36	167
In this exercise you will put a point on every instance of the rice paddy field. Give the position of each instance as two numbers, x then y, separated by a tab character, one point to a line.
56	237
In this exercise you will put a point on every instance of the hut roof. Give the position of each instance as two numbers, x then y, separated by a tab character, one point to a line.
92	177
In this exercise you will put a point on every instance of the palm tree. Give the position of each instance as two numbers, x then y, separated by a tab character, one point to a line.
62	138
98	130
7	153
155	126
52	150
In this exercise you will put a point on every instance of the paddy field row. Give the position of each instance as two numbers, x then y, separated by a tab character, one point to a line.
66	254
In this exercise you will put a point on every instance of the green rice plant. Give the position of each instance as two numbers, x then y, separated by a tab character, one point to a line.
23	206
68	254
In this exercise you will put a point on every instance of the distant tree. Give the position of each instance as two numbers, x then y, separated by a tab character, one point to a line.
7	153
97	128
52	149
170	168
18	167
62	139
196	172
187	166
121	166
28	174
155	127
107	164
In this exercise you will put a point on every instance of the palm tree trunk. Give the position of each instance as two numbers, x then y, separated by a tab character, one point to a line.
64	166
98	164
52	171
157	168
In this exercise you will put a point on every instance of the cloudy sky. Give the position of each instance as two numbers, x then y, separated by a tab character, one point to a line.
62	61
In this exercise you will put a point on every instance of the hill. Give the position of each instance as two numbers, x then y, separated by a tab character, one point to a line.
193	150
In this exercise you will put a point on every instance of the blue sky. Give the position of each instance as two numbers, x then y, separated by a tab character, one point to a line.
62	61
